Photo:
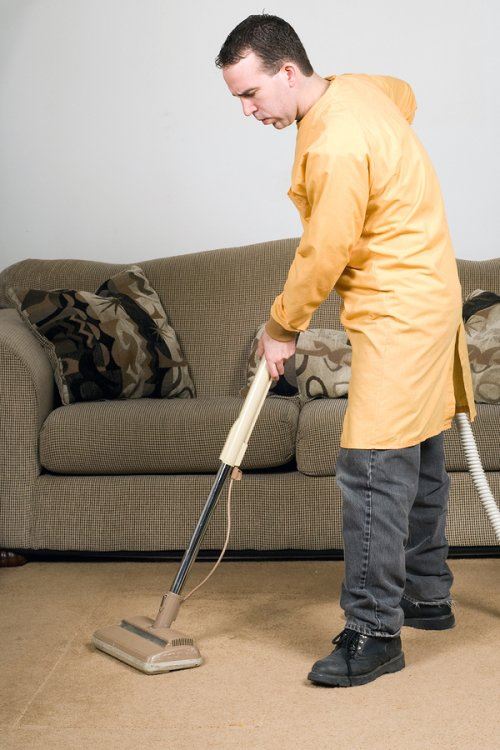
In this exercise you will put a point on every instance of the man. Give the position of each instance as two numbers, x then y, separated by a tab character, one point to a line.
375	230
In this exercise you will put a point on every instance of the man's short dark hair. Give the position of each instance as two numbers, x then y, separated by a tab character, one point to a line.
271	38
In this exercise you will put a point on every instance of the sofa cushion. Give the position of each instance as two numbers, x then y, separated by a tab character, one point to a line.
323	359
318	435
482	326
320	428
149	436
113	344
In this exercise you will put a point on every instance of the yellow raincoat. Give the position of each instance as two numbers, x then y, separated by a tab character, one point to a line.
375	230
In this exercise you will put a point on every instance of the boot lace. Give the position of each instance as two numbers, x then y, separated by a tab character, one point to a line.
348	639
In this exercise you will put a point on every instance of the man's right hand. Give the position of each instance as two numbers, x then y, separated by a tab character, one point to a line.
276	354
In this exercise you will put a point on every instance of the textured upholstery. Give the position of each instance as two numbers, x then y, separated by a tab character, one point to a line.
162	436
66	486
320	427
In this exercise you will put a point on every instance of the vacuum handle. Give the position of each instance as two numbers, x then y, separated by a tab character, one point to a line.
237	441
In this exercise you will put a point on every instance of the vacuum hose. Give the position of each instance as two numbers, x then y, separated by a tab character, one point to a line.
477	473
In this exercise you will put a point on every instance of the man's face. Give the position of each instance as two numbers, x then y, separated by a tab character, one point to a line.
270	99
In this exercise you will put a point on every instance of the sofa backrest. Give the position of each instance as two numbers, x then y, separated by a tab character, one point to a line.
215	300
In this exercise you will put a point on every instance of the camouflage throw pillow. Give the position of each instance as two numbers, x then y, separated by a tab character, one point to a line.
323	363
481	314
320	367
115	343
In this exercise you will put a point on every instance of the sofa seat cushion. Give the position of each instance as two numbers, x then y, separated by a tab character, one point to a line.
162	436
320	428
318	435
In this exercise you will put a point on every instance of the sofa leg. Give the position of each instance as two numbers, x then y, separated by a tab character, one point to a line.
10	559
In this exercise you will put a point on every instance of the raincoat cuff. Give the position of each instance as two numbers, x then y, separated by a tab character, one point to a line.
276	331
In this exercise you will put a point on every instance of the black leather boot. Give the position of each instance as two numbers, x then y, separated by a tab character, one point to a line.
358	659
427	616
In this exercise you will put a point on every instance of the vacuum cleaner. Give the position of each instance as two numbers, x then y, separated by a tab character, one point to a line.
153	646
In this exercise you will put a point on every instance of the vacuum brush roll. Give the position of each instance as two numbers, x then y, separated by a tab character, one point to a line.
148	649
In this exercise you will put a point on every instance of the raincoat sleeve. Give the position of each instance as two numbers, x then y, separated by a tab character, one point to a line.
400	92
337	191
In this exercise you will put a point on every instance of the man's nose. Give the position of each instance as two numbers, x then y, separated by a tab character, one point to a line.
248	108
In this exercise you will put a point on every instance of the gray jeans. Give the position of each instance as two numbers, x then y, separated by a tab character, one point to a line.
394	505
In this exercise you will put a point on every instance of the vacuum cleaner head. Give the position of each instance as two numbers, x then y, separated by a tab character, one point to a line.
149	649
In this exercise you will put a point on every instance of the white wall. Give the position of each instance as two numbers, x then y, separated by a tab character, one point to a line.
120	141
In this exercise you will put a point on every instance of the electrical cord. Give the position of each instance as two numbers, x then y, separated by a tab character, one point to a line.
235	474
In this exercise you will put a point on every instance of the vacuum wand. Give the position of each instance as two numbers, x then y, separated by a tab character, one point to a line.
231	456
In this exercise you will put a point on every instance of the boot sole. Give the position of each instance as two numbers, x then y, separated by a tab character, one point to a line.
431	623
394	665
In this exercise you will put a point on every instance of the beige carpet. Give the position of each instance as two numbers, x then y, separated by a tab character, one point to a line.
259	626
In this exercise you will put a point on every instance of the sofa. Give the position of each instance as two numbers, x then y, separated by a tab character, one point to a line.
129	477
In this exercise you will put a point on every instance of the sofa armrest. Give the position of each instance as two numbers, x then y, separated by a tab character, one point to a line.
26	398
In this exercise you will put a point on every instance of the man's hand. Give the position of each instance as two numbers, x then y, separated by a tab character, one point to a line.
276	353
